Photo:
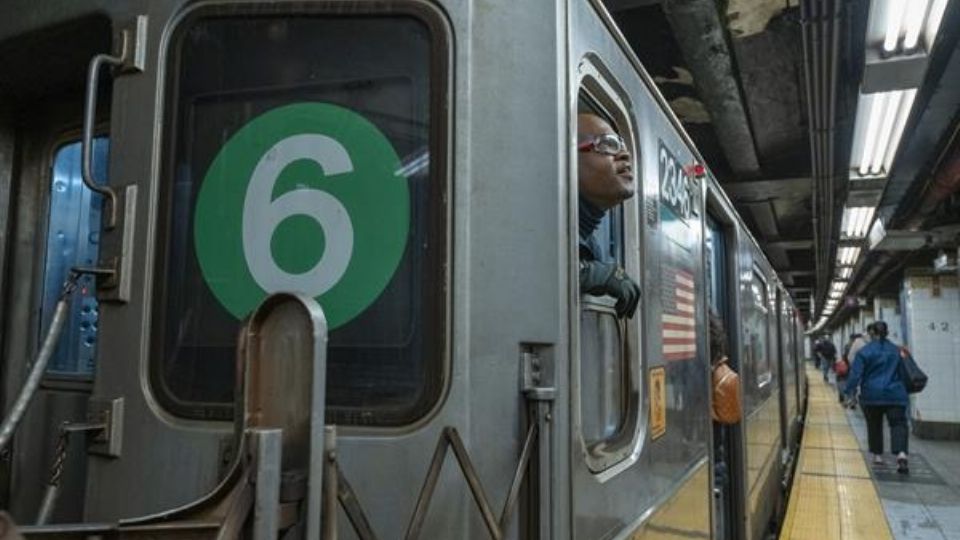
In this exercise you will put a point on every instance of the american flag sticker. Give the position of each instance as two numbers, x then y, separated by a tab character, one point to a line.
679	324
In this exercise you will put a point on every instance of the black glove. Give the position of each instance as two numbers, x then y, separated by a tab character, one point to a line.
599	278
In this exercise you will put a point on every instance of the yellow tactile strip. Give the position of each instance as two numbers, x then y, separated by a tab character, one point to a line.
833	496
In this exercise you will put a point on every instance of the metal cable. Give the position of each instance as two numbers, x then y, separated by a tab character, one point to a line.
56	475
40	364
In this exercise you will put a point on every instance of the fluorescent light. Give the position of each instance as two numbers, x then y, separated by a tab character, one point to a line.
848	255
835	294
838	286
881	119
906	104
875	107
856	220
933	22
890	108
894	18
863	224
846	272
916	13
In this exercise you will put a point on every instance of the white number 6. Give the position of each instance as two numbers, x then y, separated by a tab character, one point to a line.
261	216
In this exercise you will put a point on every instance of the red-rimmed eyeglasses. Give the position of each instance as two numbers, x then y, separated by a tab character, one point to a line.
608	144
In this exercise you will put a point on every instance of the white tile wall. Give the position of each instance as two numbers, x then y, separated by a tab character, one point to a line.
932	325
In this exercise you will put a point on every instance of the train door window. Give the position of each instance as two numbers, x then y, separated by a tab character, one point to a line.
290	165
72	240
760	328
608	388
716	267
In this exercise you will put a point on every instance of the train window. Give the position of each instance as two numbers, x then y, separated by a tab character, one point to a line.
603	400
291	165
760	329
73	240
716	268
608	388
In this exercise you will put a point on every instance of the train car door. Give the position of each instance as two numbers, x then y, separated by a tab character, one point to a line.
715	258
788	378
723	299
50	222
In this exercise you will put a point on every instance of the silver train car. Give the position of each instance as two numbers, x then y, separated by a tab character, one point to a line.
409	168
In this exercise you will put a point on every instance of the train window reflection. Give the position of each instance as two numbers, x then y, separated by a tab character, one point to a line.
291	166
759	329
601	372
73	237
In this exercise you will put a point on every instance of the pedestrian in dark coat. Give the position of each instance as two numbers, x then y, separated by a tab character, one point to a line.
876	374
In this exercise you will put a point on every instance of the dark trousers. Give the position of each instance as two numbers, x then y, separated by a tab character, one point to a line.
896	418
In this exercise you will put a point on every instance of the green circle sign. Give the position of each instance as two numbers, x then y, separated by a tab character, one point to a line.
304	198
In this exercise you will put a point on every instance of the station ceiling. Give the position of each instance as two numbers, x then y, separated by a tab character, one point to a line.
739	74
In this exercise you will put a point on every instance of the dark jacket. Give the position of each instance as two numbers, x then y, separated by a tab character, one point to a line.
594	265
826	349
876	371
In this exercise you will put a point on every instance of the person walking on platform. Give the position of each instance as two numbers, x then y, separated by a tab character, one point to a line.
827	353
876	374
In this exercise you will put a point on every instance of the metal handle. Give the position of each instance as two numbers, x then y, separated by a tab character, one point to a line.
86	142
132	38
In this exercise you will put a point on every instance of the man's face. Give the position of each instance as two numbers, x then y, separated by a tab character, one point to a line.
604	180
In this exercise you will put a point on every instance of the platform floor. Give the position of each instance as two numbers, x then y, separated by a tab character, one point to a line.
836	494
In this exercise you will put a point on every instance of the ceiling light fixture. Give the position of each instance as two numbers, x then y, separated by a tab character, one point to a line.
915	16
881	118
933	22
847	255
890	109
856	221
874	103
895	10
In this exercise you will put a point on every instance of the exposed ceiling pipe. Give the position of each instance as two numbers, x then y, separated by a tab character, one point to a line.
820	21
700	34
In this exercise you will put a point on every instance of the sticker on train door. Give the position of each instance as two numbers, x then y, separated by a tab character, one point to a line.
304	198
658	402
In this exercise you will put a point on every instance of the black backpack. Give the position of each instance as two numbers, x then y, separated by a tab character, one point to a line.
913	377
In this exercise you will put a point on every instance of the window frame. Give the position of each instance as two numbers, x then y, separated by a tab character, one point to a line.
597	84
440	132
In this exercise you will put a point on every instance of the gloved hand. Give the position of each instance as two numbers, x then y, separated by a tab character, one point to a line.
599	278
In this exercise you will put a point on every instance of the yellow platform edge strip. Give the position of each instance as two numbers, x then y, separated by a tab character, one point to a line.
833	495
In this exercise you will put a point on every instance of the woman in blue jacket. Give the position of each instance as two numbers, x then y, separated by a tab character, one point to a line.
876	372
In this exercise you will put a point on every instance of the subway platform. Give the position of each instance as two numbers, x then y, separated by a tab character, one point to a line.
837	494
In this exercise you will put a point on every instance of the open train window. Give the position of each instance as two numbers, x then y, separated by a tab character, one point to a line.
759	329
291	166
607	377
73	230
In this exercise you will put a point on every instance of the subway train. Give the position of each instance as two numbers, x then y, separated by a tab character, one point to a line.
309	268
